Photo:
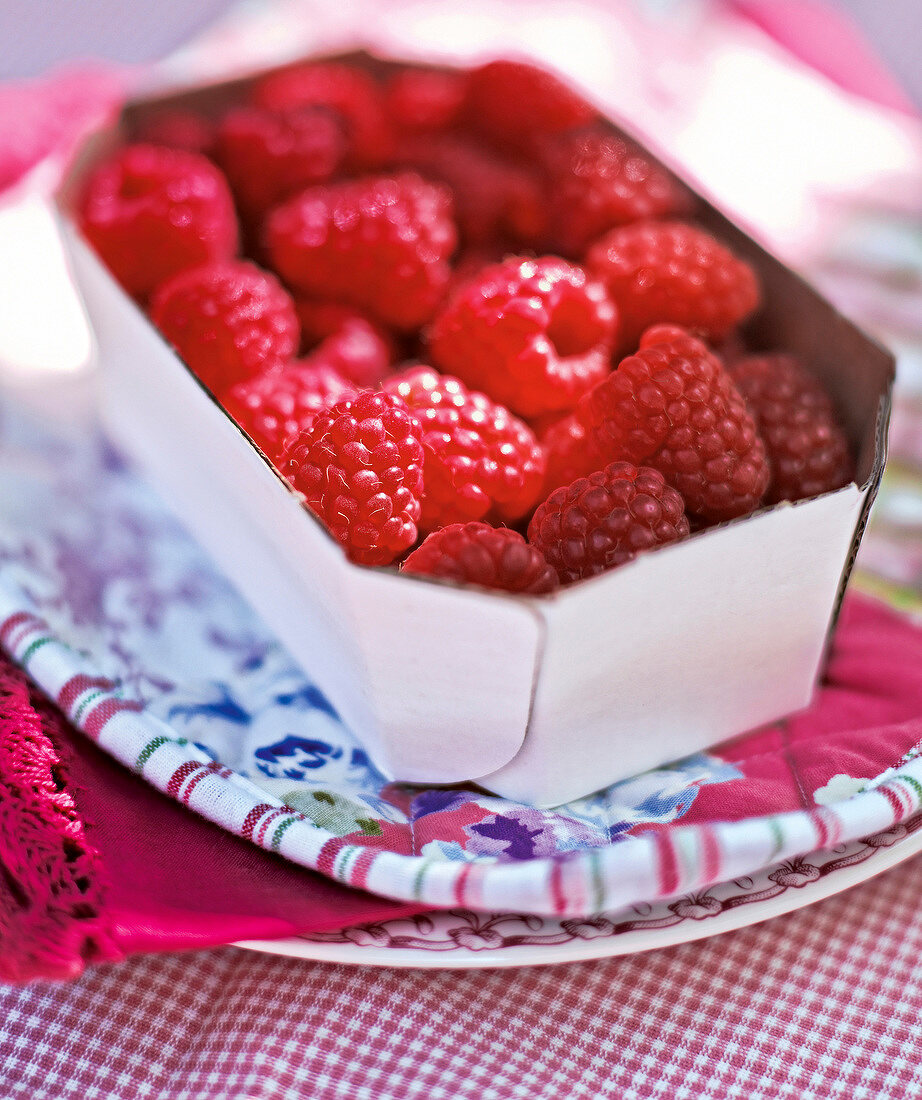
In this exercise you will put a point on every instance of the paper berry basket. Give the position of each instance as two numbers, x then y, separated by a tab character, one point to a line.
541	699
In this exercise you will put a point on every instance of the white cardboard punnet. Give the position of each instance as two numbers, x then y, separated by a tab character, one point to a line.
539	699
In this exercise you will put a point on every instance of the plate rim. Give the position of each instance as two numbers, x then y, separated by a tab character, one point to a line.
858	862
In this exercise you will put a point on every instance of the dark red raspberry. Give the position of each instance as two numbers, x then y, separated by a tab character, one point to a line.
342	339
675	272
495	199
807	450
274	407
606	519
673	406
347	92
150	212
597	180
570	452
532	334
514	104
360	469
269	156
178	129
424	100
492	557
481	461
381	245
228	321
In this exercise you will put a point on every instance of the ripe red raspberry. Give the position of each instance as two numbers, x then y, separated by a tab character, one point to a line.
150	212
675	272
570	452
606	519
381	245
274	407
178	129
424	100
672	406
807	450
597	180
342	339
514	104
360	469
492	557
495	199
533	334
228	321
269	156
349	93
481	461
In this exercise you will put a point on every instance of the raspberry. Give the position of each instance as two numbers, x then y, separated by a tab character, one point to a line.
596	181
481	462
178	129
532	334
807	450
672	406
606	519
360	469
492	557
494	199
675	272
269	156
348	93
514	104
570	452
424	100
345	341
151	212
228	321
276	406
381	245
663	333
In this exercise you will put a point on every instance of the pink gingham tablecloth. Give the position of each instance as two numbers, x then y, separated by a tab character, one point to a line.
825	1002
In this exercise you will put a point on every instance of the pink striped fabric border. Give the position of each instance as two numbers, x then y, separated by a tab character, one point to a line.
646	868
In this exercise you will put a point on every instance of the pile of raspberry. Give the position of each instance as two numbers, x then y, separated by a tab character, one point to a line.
481	333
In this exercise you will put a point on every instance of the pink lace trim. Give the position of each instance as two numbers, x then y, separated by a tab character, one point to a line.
52	919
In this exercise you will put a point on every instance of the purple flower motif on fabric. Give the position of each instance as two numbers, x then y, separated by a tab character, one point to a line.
523	833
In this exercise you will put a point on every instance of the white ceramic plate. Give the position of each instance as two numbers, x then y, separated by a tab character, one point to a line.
458	939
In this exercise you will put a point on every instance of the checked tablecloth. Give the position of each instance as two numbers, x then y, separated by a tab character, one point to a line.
825	1002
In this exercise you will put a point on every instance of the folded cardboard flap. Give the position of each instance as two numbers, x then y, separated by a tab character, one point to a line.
542	699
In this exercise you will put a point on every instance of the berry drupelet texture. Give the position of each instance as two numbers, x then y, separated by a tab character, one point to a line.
481	461
606	519
532	334
228	321
275	407
349	94
671	271
382	245
807	449
674	407
151	212
360	469
595	181
514	104
269	156
491	557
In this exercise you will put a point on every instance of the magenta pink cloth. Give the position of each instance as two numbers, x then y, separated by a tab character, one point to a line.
820	34
95	864
48	117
